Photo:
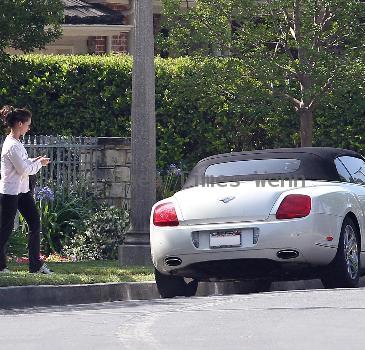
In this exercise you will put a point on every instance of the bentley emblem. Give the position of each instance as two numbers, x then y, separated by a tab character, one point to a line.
227	199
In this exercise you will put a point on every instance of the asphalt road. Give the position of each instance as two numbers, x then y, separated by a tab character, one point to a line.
312	319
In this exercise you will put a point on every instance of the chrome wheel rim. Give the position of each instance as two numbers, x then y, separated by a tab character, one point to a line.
351	252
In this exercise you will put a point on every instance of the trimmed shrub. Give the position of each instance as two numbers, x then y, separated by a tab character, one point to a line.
71	95
104	232
203	106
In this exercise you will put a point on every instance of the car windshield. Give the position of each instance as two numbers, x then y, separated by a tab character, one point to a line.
253	167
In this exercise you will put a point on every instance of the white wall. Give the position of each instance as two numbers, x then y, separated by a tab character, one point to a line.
64	45
74	45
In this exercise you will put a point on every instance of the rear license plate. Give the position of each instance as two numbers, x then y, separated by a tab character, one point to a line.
225	239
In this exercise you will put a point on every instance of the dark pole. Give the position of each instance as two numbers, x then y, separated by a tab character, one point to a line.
136	250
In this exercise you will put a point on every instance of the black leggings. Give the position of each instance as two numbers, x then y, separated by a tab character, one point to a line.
24	202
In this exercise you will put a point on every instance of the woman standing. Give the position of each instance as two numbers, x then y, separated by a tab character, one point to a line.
14	187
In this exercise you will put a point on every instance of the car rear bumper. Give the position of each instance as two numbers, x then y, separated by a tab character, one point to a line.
306	236
247	269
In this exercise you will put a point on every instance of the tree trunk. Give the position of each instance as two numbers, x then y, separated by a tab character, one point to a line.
306	127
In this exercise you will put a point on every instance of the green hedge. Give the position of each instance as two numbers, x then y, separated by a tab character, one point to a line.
72	95
202	106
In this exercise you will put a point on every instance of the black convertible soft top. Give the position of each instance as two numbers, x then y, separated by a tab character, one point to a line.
316	163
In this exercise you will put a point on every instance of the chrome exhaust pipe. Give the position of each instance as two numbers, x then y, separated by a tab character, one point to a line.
173	261
287	254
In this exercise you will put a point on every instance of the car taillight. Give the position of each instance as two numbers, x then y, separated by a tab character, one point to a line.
294	206
165	215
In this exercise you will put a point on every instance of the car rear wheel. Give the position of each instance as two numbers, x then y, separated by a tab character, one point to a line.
344	271
263	285
253	286
172	286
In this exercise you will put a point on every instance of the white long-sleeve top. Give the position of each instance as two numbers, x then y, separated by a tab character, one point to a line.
16	167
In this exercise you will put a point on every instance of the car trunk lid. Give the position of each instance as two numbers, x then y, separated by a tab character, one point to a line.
230	202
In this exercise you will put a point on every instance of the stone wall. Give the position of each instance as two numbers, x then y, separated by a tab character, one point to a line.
113	161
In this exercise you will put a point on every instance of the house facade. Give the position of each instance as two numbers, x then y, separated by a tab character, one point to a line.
98	27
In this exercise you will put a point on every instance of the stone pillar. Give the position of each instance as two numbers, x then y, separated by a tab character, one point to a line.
105	169
113	159
136	249
108	45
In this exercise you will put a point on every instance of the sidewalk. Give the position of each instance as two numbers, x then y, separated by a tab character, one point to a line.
31	296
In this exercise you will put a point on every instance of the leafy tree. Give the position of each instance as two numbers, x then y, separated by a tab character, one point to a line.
299	49
29	24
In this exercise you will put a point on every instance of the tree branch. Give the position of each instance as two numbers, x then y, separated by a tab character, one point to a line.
322	91
323	21
295	101
288	69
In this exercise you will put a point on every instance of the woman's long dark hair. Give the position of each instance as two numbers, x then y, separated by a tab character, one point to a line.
11	115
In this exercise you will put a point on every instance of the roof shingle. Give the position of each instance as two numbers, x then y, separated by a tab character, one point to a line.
80	12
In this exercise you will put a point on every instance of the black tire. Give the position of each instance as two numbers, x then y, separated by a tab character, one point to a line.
172	286
253	286
344	270
261	286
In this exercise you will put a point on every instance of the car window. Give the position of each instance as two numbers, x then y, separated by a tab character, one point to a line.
342	171
253	167
356	168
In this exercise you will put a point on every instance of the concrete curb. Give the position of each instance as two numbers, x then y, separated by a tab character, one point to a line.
33	296
30	296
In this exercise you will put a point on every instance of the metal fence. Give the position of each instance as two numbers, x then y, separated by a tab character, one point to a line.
73	161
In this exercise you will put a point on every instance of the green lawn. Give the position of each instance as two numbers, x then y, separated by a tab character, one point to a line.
76	273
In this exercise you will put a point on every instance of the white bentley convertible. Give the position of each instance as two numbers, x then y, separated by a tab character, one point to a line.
269	215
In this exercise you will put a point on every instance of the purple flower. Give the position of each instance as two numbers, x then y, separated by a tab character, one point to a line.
45	193
174	170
